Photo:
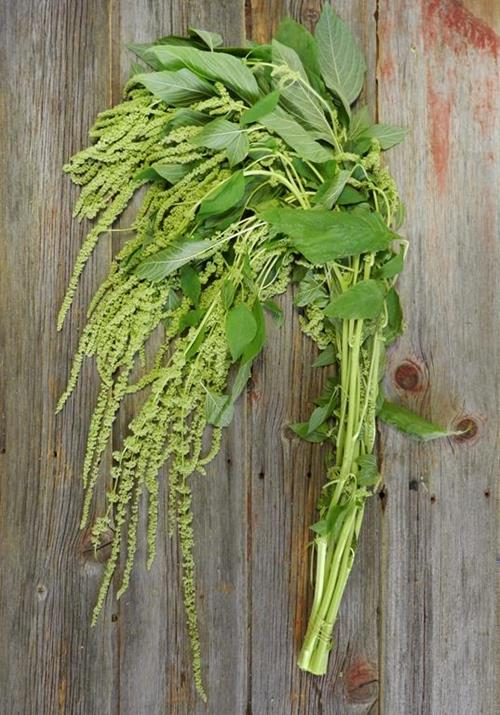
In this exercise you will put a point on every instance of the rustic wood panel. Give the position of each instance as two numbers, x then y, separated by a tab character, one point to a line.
437	74
53	86
415	633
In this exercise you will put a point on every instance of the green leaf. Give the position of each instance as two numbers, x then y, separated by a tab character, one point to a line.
394	327
221	134
181	87
410	423
350	195
241	329
190	284
172	172
302	429
218	409
253	349
298	97
387	134
360	121
227	195
227	292
184	117
393	266
310	291
340	59
317	418
263	106
210	39
168	260
241	379
363	300
329	192
326	357
191	319
220	67
296	36
276	312
323	236
196	345
296	136
368	475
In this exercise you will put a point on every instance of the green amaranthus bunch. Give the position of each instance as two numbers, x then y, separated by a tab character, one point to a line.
257	175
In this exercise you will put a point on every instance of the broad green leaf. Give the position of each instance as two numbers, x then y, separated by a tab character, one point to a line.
393	266
173	300
191	319
363	300
329	192
240	380
317	418
210	39
253	349
184	117
350	196
228	290
326	357
323	236
168	260
310	291
222	134
227	195
387	134
360	121
181	87
368	475
241	329
296	36
263	106
296	136
190	284
340	59
410	423
275	311
218	409
221	67
394	327
298	98
172	172
302	429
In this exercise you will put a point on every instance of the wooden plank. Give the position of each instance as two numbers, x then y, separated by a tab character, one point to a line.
437	74
155	662
286	478
51	661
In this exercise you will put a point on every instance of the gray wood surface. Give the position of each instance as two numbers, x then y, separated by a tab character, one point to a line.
416	629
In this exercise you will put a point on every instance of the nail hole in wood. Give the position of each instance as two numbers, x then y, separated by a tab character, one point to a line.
469	429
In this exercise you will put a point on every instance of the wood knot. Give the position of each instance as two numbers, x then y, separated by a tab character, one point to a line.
408	376
361	681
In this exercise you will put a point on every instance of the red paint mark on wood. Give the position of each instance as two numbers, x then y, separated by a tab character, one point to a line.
449	22
484	105
439	108
360	675
387	68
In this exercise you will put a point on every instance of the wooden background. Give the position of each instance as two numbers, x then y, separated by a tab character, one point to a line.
416	629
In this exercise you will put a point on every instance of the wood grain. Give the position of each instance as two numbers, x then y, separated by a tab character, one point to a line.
53	87
416	629
437	74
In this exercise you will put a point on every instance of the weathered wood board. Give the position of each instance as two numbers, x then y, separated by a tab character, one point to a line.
416	630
